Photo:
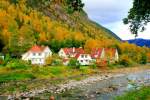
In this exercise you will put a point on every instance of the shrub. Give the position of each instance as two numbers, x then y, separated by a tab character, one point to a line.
94	65
125	60
1	61
18	64
56	62
48	60
143	59
7	59
74	63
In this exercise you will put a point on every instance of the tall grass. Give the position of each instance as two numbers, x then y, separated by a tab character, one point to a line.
142	94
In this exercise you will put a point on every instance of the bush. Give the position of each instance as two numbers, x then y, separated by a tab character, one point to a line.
1	61
74	63
125	60
7	59
56	62
49	60
94	65
143	59
18	64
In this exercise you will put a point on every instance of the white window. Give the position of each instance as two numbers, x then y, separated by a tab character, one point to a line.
34	54
46	53
85	56
82	56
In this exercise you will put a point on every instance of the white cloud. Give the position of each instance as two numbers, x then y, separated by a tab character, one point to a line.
107	11
110	13
123	31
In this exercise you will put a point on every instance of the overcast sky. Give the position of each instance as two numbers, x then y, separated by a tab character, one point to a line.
110	13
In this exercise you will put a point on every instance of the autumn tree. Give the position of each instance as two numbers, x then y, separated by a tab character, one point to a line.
90	44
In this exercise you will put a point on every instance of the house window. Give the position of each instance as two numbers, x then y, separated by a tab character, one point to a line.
39	54
46	53
32	59
34	54
82	56
87	60
81	60
40	60
85	56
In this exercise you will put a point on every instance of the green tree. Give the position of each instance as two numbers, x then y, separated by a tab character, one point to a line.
55	45
75	5
139	16
143	58
37	3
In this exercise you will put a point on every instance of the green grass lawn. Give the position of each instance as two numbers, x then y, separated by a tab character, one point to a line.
142	94
34	72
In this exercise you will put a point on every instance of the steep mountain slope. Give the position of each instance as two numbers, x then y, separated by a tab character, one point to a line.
24	23
78	21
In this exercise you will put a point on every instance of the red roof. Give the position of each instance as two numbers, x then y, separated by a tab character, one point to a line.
77	55
37	48
96	52
70	51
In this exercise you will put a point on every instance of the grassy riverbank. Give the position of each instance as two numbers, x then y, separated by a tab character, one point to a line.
142	94
8	74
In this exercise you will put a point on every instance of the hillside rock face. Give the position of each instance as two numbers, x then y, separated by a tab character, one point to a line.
78	21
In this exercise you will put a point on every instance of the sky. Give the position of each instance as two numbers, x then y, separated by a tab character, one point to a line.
109	13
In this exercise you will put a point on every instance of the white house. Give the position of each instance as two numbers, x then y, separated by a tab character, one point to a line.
69	52
84	59
37	55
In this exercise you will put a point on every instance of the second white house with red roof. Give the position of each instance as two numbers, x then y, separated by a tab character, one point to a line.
69	52
37	55
78	53
84	59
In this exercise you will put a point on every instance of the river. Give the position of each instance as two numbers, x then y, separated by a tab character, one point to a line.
105	89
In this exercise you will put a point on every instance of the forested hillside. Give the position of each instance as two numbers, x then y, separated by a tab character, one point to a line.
56	23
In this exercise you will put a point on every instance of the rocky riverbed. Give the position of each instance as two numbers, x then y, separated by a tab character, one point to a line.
72	84
93	87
